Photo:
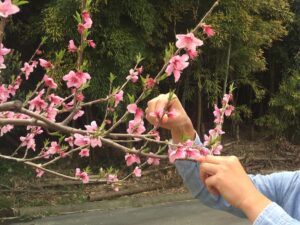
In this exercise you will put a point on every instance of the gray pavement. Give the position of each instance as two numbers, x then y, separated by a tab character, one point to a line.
188	212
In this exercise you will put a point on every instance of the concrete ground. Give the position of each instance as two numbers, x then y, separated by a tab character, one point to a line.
179	210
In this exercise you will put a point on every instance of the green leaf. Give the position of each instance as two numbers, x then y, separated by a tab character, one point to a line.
162	77
77	17
20	2
169	52
112	77
131	98
139	58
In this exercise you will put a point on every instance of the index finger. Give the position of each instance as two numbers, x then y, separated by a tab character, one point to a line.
211	159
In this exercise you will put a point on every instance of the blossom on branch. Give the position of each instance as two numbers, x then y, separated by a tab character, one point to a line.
28	68
137	171
49	82
38	103
118	97
28	141
45	64
176	65
152	160
3	51
76	79
72	47
81	140
7	8
78	114
4	94
132	158
5	129
55	100
133	75
91	43
188	41
39	172
82	175
208	30
84	152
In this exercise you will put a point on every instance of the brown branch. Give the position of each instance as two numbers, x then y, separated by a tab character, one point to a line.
38	166
128	150
2	27
66	154
15	106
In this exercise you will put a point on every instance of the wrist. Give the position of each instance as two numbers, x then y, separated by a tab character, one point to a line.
184	132
254	205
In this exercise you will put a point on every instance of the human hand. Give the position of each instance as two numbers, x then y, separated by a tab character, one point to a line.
225	175
179	123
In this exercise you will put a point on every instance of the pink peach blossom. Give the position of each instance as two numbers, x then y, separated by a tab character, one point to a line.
136	127
91	128
118	97
132	108
38	103
137	171
5	129
218	115
55	100
84	152
70	141
72	47
176	65
132	158
28	141
96	142
45	64
78	114
39	172
7	8
49	82
150	83
228	110
188	41
193	54
227	98
178	153
51	113
28	69
133	75
152	160
111	178
82	175
87	20
4	94
3	51
91	43
81	140
208	30
76	79
54	148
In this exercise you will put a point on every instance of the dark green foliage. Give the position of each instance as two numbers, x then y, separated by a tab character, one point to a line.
284	116
262	36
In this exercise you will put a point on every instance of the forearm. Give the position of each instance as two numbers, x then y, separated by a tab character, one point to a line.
254	205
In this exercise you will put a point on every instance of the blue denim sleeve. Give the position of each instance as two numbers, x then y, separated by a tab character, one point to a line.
278	187
189	171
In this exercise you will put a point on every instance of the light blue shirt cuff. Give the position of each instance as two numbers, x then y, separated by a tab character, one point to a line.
273	214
